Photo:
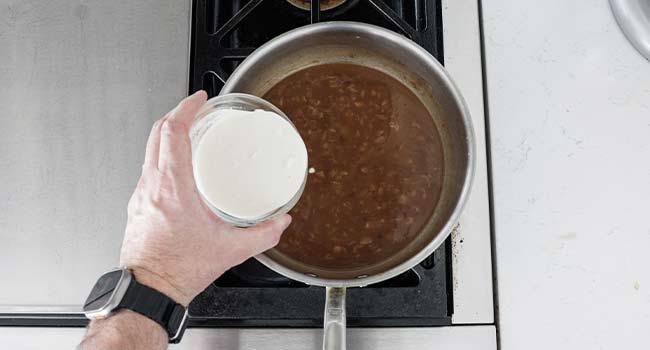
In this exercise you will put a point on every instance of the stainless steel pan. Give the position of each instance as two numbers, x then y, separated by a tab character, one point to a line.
401	58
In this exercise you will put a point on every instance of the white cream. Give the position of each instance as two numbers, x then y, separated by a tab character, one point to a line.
249	163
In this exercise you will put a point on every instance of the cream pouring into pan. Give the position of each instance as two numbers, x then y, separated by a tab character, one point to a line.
368	45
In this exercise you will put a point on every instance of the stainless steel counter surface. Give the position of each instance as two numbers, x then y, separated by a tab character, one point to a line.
82	82
447	338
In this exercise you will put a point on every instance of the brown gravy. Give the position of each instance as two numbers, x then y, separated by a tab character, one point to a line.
377	165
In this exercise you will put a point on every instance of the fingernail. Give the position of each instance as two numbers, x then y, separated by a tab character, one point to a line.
201	92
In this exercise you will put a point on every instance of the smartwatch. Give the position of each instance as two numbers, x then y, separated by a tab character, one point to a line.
118	289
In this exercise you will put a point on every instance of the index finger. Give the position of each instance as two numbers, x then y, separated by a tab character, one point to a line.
186	110
175	148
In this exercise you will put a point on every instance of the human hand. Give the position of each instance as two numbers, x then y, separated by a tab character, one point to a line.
173	242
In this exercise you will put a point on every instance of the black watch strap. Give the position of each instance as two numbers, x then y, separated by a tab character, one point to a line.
158	307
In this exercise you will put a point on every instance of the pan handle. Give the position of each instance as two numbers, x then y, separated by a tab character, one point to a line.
334	333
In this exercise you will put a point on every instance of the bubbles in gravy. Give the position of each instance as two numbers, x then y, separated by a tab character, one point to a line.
376	165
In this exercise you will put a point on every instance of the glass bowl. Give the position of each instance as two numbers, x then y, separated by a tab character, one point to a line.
204	120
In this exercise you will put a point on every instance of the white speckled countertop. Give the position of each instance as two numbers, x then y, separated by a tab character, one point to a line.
569	111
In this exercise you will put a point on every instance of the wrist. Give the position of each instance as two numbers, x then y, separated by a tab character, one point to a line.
125	329
162	284
137	323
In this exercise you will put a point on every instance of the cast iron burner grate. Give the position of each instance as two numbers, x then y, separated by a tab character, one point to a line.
224	33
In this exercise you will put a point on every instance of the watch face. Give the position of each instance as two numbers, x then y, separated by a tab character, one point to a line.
102	292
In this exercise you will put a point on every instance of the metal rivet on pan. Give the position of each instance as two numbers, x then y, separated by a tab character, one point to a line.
362	276
311	274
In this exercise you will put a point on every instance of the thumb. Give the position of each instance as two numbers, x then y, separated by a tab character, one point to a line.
260	238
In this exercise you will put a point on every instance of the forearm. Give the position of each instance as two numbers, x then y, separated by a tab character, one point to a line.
124	330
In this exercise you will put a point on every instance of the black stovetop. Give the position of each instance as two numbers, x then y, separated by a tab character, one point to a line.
250	295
